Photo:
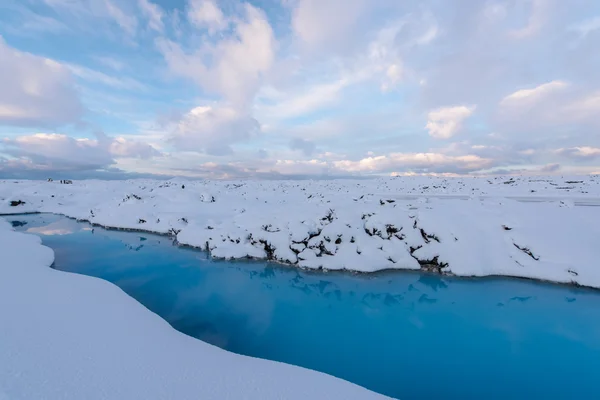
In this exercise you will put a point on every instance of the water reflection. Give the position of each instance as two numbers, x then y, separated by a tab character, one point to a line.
381	331
63	226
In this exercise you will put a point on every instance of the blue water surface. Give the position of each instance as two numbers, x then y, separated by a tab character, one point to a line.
408	335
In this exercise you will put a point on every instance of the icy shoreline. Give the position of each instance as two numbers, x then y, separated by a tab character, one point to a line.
522	227
70	336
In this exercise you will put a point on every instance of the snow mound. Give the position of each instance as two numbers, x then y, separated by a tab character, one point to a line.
541	228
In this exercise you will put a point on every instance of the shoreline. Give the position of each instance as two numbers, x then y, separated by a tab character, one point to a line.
280	264
345	226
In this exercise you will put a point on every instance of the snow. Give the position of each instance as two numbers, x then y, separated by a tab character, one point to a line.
71	337
68	336
532	227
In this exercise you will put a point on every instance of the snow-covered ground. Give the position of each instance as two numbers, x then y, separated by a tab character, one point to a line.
535	227
68	336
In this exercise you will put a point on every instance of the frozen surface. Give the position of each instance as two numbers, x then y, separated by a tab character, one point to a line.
543	228
68	336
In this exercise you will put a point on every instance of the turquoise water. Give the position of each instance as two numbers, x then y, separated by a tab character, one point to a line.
407	335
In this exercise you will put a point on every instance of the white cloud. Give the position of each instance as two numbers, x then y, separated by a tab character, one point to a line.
587	106
552	109
422	162
108	80
124	148
295	167
379	60
239	62
495	11
35	91
110	62
393	75
88	14
55	147
586	27
445	122
326	24
387	51
535	94
126	21
305	146
535	22
207	14
581	152
25	22
428	36
65	152
304	101
154	14
213	130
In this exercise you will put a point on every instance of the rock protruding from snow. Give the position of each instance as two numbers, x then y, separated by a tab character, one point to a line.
525	227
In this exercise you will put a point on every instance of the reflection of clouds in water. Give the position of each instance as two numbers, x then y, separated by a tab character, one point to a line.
243	300
132	240
416	322
61	227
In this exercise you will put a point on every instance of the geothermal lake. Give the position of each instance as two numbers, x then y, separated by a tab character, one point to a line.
403	334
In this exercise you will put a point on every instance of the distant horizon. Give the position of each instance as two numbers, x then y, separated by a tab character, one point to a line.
120	175
298	89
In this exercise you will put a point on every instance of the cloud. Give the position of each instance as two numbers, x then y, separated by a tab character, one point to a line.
206	14
35	91
443	123
238	62
121	147
550	168
535	94
126	21
584	28
309	167
19	20
549	111
91	75
416	162
262	154
537	16
110	62
25	169
360	78
96	16
213	130
302	101
393	75
154	14
305	146
327	24
62	152
378	61
580	153
584	107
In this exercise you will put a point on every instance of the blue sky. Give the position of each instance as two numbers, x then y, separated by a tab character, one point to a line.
298	88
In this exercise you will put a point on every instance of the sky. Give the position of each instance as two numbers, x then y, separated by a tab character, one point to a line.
268	89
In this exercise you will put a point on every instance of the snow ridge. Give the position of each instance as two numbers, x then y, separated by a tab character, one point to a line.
541	228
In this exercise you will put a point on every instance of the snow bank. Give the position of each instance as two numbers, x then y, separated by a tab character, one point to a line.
68	336
542	228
